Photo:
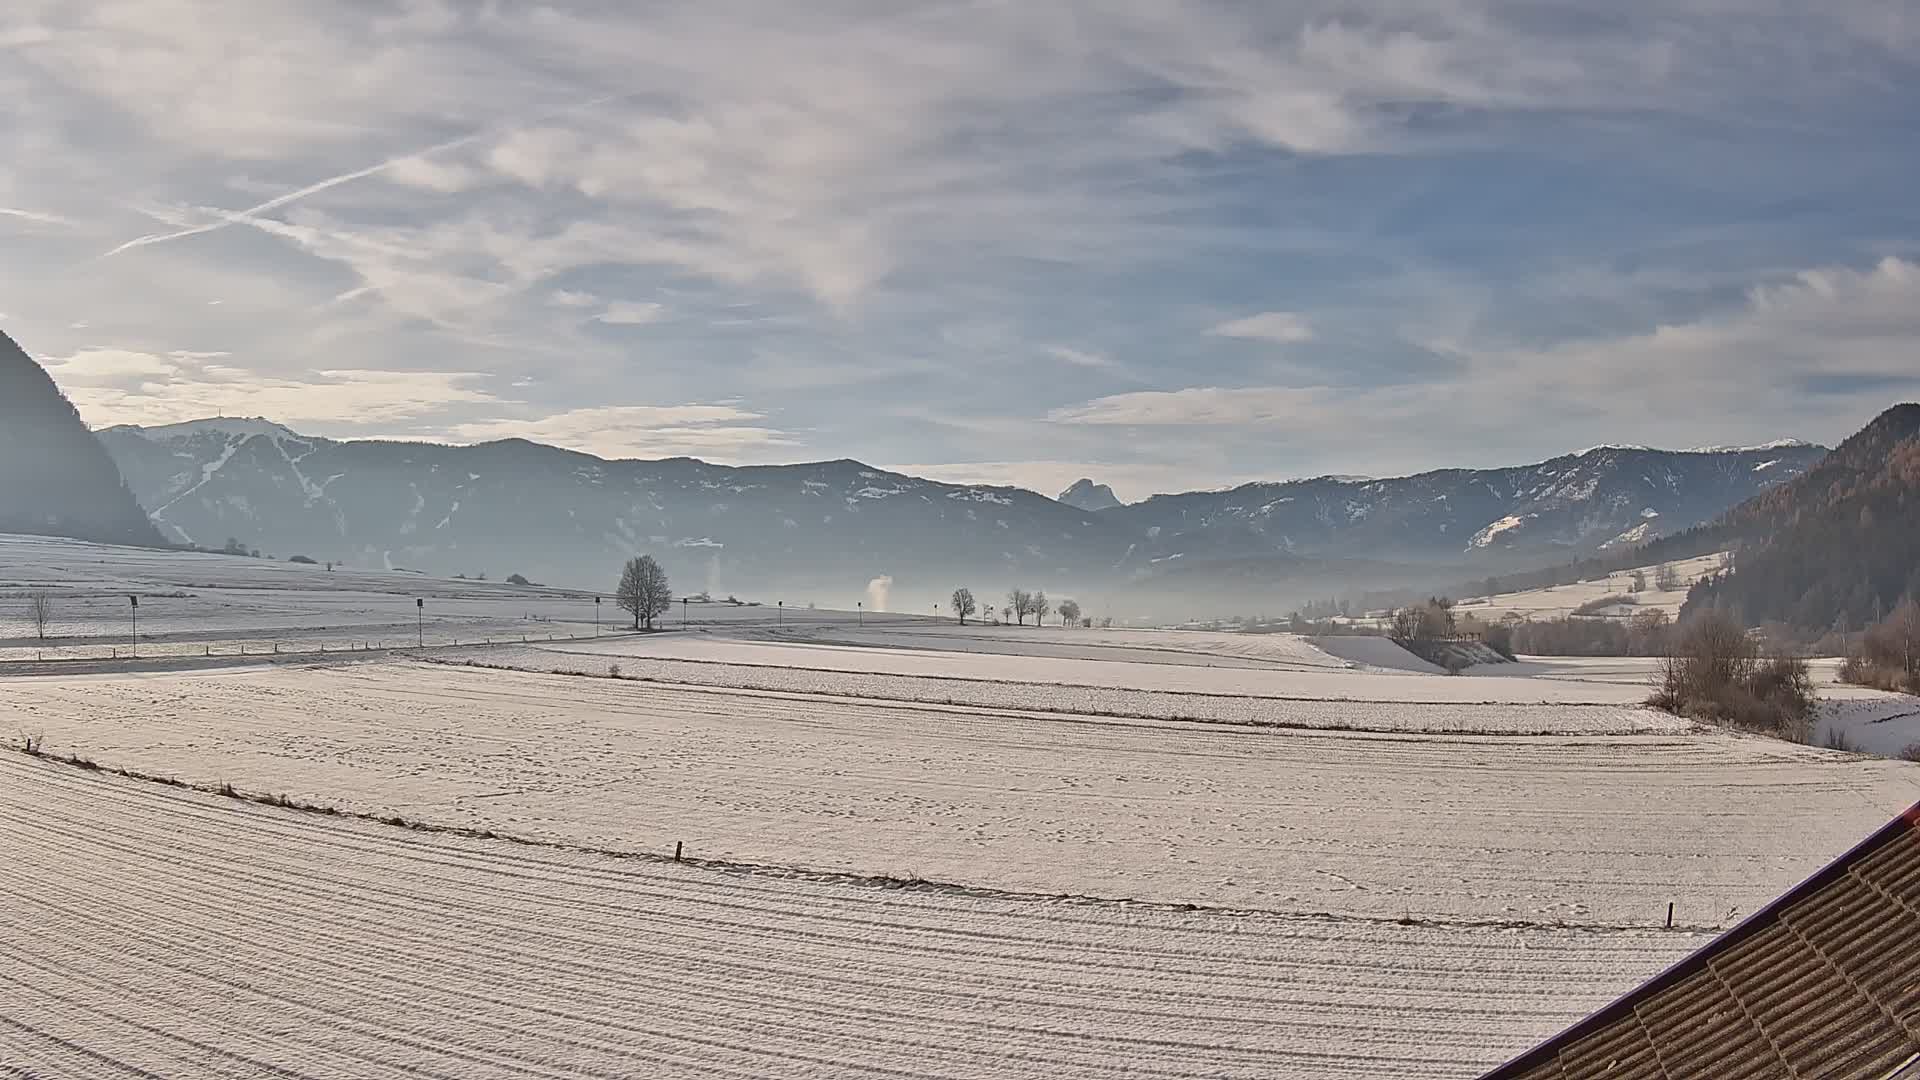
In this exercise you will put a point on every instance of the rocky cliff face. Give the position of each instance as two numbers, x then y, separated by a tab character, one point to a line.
1089	496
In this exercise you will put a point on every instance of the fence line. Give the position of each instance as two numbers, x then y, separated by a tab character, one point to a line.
164	650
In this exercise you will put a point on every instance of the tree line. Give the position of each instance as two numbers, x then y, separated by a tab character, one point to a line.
1020	604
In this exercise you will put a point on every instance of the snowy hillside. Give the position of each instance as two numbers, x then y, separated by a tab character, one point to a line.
1601	499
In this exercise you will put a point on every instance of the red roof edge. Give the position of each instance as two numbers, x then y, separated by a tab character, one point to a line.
1907	821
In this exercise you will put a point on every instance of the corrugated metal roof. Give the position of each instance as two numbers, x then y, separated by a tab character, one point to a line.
1823	982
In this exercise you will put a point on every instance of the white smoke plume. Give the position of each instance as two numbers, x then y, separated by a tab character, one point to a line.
878	591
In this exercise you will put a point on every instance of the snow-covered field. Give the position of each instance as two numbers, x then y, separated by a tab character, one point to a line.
1324	681
195	604
155	932
1562	828
1154	854
1560	601
1374	713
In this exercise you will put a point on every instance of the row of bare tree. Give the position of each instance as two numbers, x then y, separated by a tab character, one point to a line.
1020	604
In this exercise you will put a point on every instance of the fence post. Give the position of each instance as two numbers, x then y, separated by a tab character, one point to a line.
676	851
1669	914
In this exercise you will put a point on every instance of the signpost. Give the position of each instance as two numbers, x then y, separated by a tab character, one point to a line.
419	622
596	616
134	601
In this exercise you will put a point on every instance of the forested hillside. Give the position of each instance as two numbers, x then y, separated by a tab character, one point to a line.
55	477
1836	548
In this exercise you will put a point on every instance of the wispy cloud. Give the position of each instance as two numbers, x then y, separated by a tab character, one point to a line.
124	386
720	433
1283	327
630	313
1078	357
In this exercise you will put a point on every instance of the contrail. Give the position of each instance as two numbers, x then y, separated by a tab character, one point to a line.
243	217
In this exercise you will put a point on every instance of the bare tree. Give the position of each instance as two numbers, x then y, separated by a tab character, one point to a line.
1039	606
644	591
963	604
1069	613
1431	621
1639	581
1666	578
1019	602
40	611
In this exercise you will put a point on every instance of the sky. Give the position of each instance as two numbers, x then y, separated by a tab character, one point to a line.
1167	245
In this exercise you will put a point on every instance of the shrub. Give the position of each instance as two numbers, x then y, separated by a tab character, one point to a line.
302	559
1910	753
1602	603
1888	656
1714	673
1431	621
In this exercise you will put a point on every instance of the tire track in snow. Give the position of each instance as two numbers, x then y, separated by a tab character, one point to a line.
148	913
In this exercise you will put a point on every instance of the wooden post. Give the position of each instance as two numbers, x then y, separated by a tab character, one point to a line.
676	851
1669	914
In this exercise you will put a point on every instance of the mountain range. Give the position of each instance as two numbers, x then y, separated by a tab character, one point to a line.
825	529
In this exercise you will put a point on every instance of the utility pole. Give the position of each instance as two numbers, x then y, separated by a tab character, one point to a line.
780	614
596	616
860	611
419	622
134	601
683	613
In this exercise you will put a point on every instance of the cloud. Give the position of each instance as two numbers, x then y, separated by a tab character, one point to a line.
1831	322
1199	405
627	313
722	433
816	195
90	366
1814	354
1078	357
423	172
124	386
1284	327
